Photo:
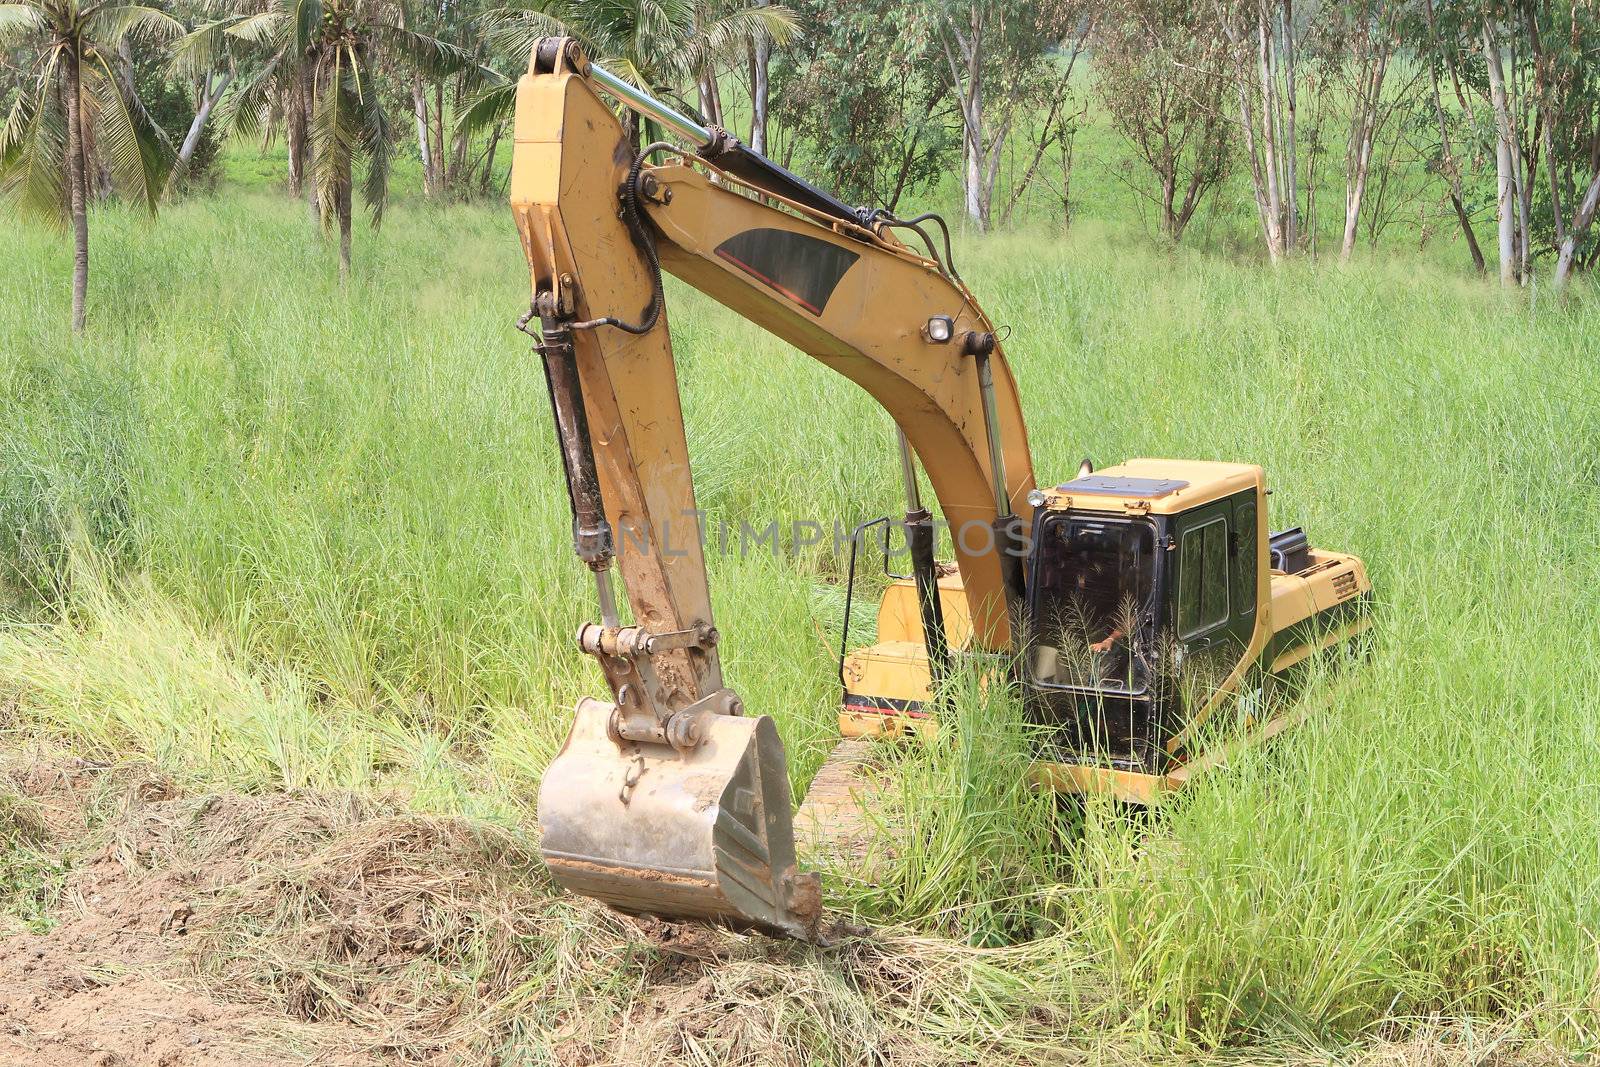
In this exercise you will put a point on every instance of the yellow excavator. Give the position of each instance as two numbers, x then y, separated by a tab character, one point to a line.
1128	604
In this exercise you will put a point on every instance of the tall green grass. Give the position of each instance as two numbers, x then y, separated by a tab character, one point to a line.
271	535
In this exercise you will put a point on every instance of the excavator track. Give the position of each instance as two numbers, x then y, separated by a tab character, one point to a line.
841	820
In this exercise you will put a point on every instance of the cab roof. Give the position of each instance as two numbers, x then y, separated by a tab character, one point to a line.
1154	486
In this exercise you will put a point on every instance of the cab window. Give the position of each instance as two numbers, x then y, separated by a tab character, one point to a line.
1203	578
1092	583
1244	556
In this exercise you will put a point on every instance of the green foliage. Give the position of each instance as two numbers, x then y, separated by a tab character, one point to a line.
858	90
1551	55
1159	73
170	104
320	68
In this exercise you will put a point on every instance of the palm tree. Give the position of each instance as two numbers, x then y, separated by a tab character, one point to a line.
81	95
324	55
239	40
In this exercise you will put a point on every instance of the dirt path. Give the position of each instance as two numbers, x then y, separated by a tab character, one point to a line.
323	930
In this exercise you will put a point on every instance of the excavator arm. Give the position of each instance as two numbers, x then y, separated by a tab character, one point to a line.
666	798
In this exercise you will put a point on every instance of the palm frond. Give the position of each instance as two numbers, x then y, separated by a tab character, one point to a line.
307	20
377	145
140	155
195	53
658	26
333	132
726	36
490	107
265	27
114	23
33	155
18	119
247	110
429	55
512	30
16	20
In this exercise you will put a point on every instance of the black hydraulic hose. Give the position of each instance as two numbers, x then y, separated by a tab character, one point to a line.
944	228
641	237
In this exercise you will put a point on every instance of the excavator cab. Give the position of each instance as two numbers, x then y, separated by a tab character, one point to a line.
1142	600
1153	594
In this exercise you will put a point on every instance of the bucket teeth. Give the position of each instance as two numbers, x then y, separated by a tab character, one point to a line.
705	834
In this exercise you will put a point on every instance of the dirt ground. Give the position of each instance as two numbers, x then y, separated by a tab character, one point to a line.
105	985
319	930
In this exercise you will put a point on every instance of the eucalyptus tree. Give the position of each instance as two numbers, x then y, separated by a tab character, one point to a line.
861	98
1534	63
79	93
1160	72
998	57
331	55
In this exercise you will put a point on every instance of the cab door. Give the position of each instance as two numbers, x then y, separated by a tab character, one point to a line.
1213	613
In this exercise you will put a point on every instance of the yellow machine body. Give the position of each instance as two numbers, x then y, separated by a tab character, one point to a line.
888	685
667	797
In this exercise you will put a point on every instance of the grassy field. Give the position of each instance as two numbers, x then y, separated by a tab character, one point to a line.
266	536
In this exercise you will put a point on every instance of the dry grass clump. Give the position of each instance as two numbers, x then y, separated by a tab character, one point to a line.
442	940
29	861
22	823
340	909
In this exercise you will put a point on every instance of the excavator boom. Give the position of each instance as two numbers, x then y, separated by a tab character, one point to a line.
666	798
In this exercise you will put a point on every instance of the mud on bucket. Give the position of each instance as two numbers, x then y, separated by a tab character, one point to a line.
707	834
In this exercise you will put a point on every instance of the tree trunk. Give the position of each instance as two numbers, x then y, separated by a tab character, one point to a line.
1448	157
1291	216
1258	179
309	175
419	109
441	174
1356	183
1270	164
968	90
710	100
760	65
343	208
192	140
77	191
488	162
296	123
1575	232
972	110
974	163
1505	166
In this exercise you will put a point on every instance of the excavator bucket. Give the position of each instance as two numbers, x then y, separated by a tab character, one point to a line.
704	834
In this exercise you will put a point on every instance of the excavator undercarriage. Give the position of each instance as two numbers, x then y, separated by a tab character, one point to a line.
1099	598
